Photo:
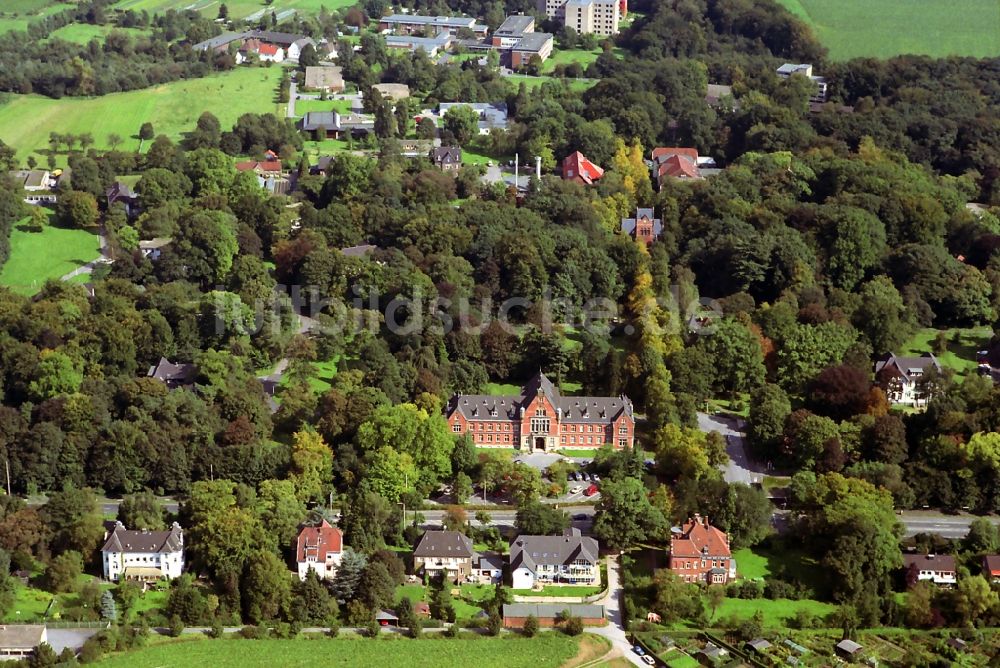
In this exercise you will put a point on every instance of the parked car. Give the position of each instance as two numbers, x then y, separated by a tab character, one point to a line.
580	516
576	490
648	659
592	490
573	476
585	477
595	478
639	650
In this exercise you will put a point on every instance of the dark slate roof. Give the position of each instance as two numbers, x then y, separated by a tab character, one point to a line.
490	560
904	366
167	371
120	190
572	409
359	251
447	155
444	544
152	542
283	38
628	224
533	551
219	40
552	611
930	562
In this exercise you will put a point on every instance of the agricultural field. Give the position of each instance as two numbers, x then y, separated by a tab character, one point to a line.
238	9
548	650
38	256
17	14
885	28
172	109
82	33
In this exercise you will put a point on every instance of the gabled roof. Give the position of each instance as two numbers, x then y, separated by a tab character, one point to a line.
697	538
577	166
661	153
120	190
259	166
444	544
629	224
572	409
318	542
678	167
148	542
283	38
939	563
991	564
169	372
906	367
21	636
447	155
533	551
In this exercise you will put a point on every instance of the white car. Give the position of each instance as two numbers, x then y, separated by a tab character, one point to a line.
576	490
648	659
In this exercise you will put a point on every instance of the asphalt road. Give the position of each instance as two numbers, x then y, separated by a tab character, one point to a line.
740	467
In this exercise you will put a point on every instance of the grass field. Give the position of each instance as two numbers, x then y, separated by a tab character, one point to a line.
29	604
776	613
962	347
38	256
856	28
464	609
238	9
558	590
547	650
81	33
172	109
17	14
532	83
302	107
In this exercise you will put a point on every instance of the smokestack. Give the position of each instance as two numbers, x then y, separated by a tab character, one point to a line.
516	169
538	167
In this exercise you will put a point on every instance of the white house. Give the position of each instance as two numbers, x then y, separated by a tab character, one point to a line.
567	559
937	568
18	641
319	548
143	555
900	377
295	48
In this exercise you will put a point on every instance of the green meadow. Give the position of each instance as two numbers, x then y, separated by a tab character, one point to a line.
886	28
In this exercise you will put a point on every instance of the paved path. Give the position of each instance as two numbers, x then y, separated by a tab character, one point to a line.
740	467
88	268
291	100
612	603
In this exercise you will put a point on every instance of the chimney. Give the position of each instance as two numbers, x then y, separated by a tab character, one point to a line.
538	167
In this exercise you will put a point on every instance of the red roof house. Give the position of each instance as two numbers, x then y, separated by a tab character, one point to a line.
576	167
991	567
260	167
319	548
675	162
699	552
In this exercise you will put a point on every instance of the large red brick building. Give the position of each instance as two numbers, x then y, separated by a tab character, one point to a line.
541	419
700	553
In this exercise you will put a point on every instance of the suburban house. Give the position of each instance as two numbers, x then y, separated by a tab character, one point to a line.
295	48
18	641
415	24
174	376
319	549
491	116
991	567
263	168
152	249
599	17
488	568
119	192
804	69
335	125
900	377
542	419
699	552
937	568
39	185
567	559
329	78
644	227
446	552
447	158
548	614
143	555
576	167
671	162
265	52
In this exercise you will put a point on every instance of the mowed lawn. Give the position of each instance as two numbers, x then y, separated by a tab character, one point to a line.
17	14
81	33
548	650
173	109
51	253
238	9
776	613
885	28
961	349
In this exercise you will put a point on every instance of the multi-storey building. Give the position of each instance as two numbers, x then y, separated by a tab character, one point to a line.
540	418
143	555
567	559
700	553
319	548
444	552
600	17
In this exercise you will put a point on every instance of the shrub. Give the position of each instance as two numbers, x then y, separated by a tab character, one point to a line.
251	632
494	624
573	625
531	626
373	629
91	651
333	630
774	589
176	626
452	631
